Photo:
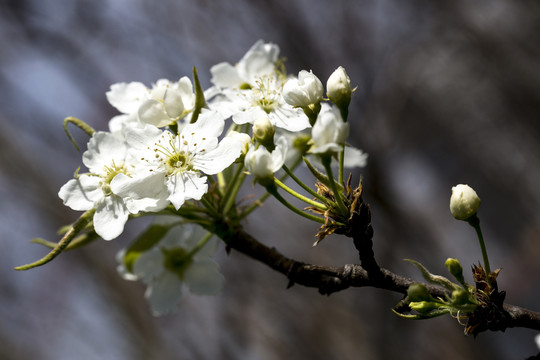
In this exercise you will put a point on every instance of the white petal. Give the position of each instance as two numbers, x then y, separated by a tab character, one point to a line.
227	151
141	193
289	118
127	97
110	217
258	61
81	194
142	137
185	186
225	75
354	157
185	88
279	154
149	265
103	149
204	278
163	293
173	104
152	112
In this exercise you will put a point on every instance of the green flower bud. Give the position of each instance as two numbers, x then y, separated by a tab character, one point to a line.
419	293
455	268
464	202
460	297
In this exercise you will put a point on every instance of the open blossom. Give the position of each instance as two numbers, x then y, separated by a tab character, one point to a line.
259	60
171	265
303	91
329	132
179	162
253	89
105	158
164	104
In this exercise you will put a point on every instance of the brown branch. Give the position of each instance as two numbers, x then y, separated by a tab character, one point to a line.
332	279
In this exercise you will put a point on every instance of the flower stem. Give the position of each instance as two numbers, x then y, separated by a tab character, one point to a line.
304	186
201	244
233	188
76	228
299	196
341	163
474	221
272	189
339	198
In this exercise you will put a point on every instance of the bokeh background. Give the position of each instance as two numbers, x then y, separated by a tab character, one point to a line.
448	92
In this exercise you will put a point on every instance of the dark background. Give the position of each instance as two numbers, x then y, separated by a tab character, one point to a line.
448	92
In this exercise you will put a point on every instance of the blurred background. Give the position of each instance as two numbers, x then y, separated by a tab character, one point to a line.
448	92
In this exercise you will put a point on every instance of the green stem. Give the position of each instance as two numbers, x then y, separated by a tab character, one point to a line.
341	165
77	227
299	196
201	244
272	189
326	160
304	186
233	188
474	221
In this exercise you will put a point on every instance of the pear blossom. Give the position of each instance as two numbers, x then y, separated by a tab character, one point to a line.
303	91
164	104
259	60
262	164
253	89
329	132
464	202
338	88
173	264
179	162
105	158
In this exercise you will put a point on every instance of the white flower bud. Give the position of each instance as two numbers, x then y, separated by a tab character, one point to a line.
303	91
263	131
262	164
338	88
464	202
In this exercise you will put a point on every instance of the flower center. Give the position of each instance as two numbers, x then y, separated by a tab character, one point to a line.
176	260
172	158
266	94
110	171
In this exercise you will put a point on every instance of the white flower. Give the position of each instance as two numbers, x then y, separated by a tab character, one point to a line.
329	132
252	89
174	262
258	61
464	202
179	162
262	164
303	91
338	87
164	104
105	158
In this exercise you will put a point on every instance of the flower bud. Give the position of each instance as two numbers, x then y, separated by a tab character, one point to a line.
338	89
464	202
460	297
262	164
303	91
329	132
418	292
455	268
263	131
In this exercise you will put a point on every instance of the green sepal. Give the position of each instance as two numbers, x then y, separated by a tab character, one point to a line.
435	279
143	243
430	315
200	101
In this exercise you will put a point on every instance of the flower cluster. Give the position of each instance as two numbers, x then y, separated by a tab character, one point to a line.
178	149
